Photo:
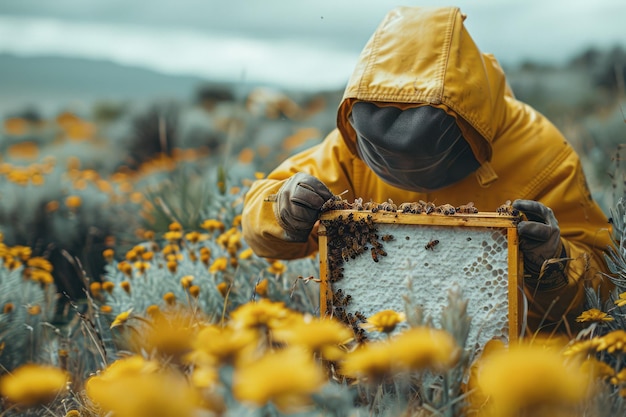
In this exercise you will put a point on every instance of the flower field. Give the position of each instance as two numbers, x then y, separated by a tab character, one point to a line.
126	288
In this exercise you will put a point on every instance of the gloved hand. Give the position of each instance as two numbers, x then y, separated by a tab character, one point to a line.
299	202
540	239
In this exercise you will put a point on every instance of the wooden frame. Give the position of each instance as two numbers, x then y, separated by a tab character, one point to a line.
491	220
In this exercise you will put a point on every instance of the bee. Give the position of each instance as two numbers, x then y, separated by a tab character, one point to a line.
360	336
360	316
351	319
427	207
336	274
370	205
358	204
467	208
431	245
374	254
341	299
330	203
507	209
388	206
446	209
336	202
387	238
413	208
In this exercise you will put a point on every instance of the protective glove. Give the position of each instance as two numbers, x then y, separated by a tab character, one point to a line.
299	201
540	239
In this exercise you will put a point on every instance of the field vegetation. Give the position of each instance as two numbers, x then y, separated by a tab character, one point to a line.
126	288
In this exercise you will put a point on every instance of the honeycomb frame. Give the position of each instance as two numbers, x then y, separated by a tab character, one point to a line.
471	241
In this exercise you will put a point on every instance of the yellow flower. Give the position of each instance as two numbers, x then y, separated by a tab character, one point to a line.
121	318
131	255
40	263
581	347
175	227
186	281
41	276
593	315
223	345
384	321
204	377
153	310
373	361
195	237
233	242
32	384
212	224
619	378
52	206
194	291
621	301
142	266
169	335
172	266
515	381
139	249
272	378
277	268
173	236
219	264
246	254
222	287
106	309
108	286
614	341
125	268
34	310
261	314
8	308
125	286
169	298
170	249
321	336
73	413
421	348
95	289
261	288
108	254
24	252
73	201
134	387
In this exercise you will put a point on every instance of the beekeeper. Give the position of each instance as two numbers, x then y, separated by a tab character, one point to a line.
427	116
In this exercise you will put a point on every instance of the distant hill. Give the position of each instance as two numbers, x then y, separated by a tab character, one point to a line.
52	83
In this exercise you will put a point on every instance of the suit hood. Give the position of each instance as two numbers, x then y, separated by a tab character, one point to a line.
425	56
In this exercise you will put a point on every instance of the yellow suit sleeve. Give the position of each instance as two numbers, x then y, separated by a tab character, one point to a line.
329	161
585	234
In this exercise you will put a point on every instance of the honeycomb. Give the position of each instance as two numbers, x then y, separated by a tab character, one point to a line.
425	263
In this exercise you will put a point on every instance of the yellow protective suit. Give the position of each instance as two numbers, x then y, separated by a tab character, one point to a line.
425	56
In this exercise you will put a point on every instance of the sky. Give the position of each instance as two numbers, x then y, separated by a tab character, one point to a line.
296	43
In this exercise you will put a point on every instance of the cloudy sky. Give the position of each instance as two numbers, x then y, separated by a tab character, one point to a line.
302	43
